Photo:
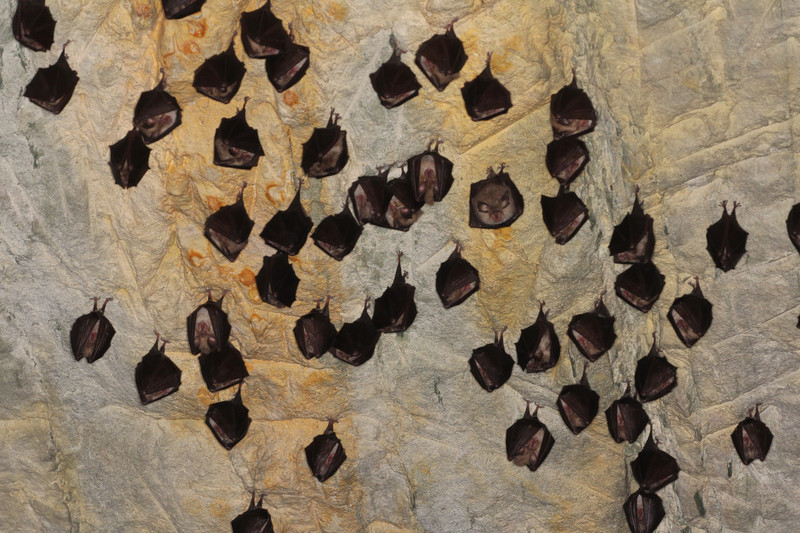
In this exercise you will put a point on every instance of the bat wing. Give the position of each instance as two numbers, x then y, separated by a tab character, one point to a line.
288	66
491	366
156	376
578	405
456	280
538	347
33	25
130	160
355	342
394	82
51	88
337	235
441	58
222	368
220	76
288	230
564	215
177	9
640	285
643	511
325	455
276	281
263	33
229	421
485	97
314	333
566	158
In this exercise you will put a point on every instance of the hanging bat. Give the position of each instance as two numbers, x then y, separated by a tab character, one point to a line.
289	65
156	375
276	281
495	202
564	214
528	441
33	25
355	342
484	96
395	309
314	331
156	113
633	240
578	404
653	468
593	332
793	225
325	152
337	235
394	82
490	365
228	229
207	327
538	348
368	195
229	420
431	174
726	239
640	285
220	76
456	279
325	454
287	230
690	315
51	88
571	111
626	417
752	438
177	9
222	368
255	519
236	144
566	158
643	511
402	209
655	376
441	58
91	334
130	160
262	32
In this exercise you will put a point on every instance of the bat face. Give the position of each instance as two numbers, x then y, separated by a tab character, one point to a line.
177	9
626	418
403	209
368	195
229	421
262	33
643	511
691	316
325	454
578	405
325	152
571	111
394	82
726	239
654	468
129	160
528	441
395	309
456	279
593	332
220	76
288	66
156	375
566	159
337	235
441	58
314	332
564	215
229	229
222	368
431	175
156	114
91	334
485	97
276	281
255	519
287	230
207	327
495	202
33	25
752	439
355	342
655	376
633	239
490	365
51	88
538	348
640	285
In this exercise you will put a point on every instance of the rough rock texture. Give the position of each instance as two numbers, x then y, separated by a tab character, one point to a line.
697	103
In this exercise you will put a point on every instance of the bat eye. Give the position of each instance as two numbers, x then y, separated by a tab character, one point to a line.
482	207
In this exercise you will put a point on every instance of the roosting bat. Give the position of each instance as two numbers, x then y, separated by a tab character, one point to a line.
177	9
276	281
690	315
156	113
578	404
571	111
207	327
655	376
495	202
643	511
368	195
229	420
236	143
431	174
262	32
654	468
355	342
33	25
156	375
220	76
228	229
484	96
325	152
51	88
752	438
289	65
287	230
566	159
538	348
593	332
632	240
255	519
337	235
91	334
626	417
793	225
456	279
130	160
441	58
564	214
726	239
640	285
394	82
325	454
314	331
395	309
222	368
528	441
402	209
490	365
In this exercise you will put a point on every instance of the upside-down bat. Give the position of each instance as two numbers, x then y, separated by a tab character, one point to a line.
262	32
220	76
222	368
325	152
156	375
337	235
91	334
402	209
538	347
752	438
325	454
640	285
229	420
578	404
456	279
566	159
495	202
690	315
276	281
130	160
156	113
485	97
177	9
236	143
564	214
255	519
633	240
395	309
228	229
394	82
431	174
528	441
355	342
287	230
626	417
571	111
33	25
490	365
207	327
654	468
314	331
793	225
726	239
655	376
368	195
643	511
289	65
441	57
593	332
51	88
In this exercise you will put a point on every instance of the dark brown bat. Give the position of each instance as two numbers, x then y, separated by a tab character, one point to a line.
289	65
394	82
220	76
369	198
528	441
262	32
287	230
793	225
485	97
566	158
236	143
337	235
578	404
494	202
456	279
228	229
726	239
431	174
571	111
177	9
314	331
593	332
33	25
690	315
156	113
564	214
130	160
490	365
395	309
325	152
325	454
538	348
643	511
207	327
752	438
91	334
276	281
640	285
402	209
51	88
156	375
626	417
255	519
653	468
441	58
633	239
229	420
222	368
655	376
355	342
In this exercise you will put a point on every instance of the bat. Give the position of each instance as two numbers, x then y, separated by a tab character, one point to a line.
655	376
337	235
564	214
394	82
578	404
355	342
262	32
368	195
566	158
528	441
726	239
289	65
431	174
325	454
207	327
485	97
653	468
222	368
690	315
640	285
228	229
236	143
156	113
593	332
276	281
255	519
288	230
403	209
752	438
130	160
633	240
51	88
325	152
395	309
490	365
793	225
456	279
494	202
314	332
538	348
626	417
229	420
33	25
177	9
643	511
220	76
441	58
156	375
571	111
91	334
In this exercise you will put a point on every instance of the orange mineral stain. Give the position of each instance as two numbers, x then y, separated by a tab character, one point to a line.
247	277
195	258
197	28
272	198
205	397
213	203
337	11
290	98
189	47
142	9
